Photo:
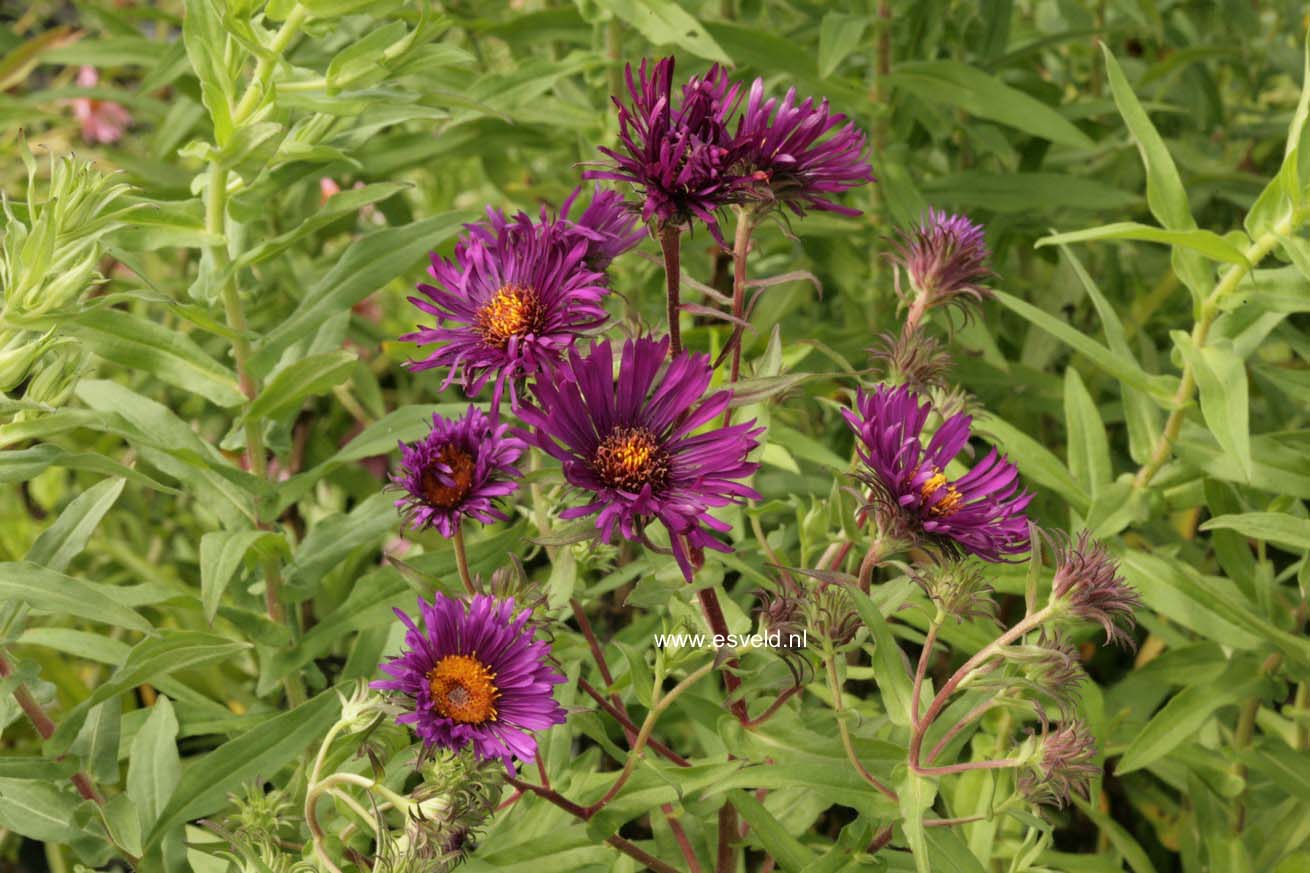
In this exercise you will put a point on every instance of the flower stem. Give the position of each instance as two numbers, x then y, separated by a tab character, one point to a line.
834	685
928	643
741	244
709	602
462	560
45	728
920	727
671	245
1253	254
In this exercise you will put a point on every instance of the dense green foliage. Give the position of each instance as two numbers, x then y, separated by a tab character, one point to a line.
203	392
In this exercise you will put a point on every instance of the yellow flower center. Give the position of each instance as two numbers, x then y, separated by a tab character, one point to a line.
630	458
438	493
514	310
949	503
464	689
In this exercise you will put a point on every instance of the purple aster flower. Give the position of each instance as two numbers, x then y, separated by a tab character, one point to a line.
945	257
459	469
981	513
1064	768
789	156
632	441
609	226
680	158
515	297
475	676
1088	584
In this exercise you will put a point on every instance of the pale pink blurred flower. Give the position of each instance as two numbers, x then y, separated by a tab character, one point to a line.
103	121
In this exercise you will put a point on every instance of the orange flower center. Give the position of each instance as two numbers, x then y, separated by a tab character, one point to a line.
630	458
513	311
949	502
464	689
436	492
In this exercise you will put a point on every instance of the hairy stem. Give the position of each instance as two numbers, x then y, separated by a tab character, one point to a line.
709	601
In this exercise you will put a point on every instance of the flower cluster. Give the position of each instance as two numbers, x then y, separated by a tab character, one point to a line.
687	161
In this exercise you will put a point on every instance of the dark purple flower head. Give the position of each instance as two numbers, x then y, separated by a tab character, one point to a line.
608	225
475	676
789	157
1064	767
514	297
1088	584
681	157
459	469
981	513
631	440
945	257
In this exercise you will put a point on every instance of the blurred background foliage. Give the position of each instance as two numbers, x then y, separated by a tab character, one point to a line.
999	108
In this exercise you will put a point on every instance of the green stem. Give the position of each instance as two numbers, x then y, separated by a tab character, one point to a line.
741	244
1253	254
838	708
462	561
258	86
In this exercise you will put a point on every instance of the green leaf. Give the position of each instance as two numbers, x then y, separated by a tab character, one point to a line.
665	23
162	655
1186	712
1132	851
980	94
917	795
342	203
307	377
1122	368
367	265
1204	242
221	553
206	45
1274	527
261	751
1025	193
1225	403
64	540
97	744
1282	765
839	35
889	662
1089	447
39	810
48	591
1034	460
1165	193
789	852
139	344
154	767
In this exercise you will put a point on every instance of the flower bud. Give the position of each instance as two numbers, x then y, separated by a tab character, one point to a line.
1060	767
1088	585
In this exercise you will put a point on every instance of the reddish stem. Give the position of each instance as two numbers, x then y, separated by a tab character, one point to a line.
709	601
726	863
787	694
629	728
45	727
671	245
